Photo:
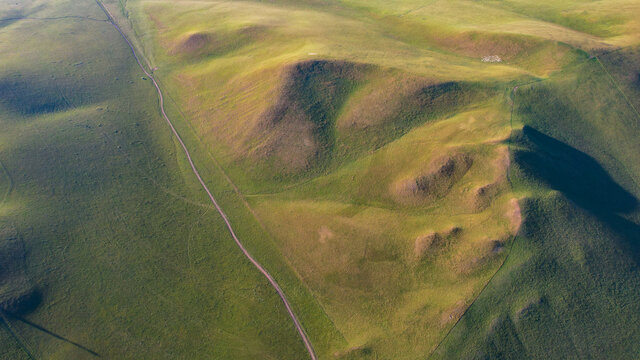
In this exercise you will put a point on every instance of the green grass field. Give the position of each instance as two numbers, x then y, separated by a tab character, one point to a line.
129	259
412	200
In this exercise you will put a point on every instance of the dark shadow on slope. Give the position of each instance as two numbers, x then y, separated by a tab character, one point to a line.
504	339
17	293
628	233
584	264
22	302
576	174
581	179
8	20
568	290
29	98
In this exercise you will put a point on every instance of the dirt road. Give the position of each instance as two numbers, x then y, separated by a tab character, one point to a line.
255	263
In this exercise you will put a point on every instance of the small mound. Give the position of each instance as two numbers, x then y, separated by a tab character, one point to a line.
218	43
194	43
531	308
483	196
485	252
433	240
425	242
358	352
454	231
446	171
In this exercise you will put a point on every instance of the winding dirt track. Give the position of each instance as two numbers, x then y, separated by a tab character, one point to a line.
255	263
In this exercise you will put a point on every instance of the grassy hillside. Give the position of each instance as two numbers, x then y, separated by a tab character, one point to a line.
371	140
421	181
569	288
107	242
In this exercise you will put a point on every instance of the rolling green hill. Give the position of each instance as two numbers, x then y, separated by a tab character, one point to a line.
569	289
422	182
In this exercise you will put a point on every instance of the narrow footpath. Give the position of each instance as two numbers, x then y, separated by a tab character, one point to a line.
246	253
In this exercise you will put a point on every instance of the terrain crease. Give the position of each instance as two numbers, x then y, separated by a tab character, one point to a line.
618	87
513	240
256	264
509	181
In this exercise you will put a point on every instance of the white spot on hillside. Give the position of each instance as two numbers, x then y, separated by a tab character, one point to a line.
491	59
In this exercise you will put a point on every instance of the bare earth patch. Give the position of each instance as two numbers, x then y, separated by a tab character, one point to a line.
514	215
324	234
454	313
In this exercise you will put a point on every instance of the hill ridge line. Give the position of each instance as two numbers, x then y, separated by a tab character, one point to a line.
256	264
513	239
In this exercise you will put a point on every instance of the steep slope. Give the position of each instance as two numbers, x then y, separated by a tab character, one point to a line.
569	287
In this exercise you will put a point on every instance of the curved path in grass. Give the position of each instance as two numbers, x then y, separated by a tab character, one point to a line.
246	253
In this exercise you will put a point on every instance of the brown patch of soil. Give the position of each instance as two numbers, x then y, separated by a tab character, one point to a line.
324	234
514	215
454	313
475	44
